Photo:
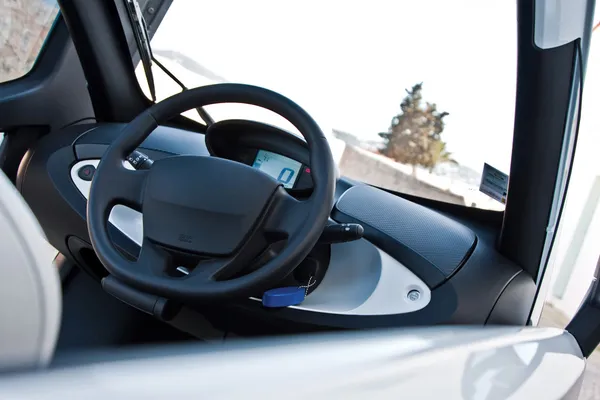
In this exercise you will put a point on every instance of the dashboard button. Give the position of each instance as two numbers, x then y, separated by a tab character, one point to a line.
137	158
86	172
305	180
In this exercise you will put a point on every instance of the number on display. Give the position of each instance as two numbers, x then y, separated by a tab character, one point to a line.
285	176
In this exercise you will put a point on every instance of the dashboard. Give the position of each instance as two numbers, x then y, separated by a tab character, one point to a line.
409	244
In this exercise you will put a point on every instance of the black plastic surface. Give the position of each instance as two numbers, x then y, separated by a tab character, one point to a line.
429	244
44	181
156	306
94	321
80	251
542	100
166	140
513	307
102	48
585	326
228	138
95	151
341	233
142	301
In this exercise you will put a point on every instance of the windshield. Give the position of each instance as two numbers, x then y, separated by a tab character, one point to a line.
415	96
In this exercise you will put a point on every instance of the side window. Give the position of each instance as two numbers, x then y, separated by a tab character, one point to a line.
24	26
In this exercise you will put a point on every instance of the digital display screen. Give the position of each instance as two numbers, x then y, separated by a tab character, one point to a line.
283	169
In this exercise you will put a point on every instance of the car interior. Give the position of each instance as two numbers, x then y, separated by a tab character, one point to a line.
170	230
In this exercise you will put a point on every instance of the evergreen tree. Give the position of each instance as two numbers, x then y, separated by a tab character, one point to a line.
414	135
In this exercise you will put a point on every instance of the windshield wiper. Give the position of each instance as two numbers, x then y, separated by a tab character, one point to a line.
143	42
201	111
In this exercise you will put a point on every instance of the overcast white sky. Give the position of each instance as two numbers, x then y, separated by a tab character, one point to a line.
348	62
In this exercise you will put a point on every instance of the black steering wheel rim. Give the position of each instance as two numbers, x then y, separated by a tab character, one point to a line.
114	184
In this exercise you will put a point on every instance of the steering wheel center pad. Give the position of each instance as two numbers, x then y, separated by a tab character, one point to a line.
204	205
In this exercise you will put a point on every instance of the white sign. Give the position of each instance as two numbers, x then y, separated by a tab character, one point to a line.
494	183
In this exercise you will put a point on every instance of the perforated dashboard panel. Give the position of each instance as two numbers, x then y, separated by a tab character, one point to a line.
430	244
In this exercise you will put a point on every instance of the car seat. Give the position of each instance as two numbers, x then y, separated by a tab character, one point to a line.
30	292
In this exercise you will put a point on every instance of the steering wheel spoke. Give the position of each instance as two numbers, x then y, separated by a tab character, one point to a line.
221	268
210	270
153	259
287	214
129	187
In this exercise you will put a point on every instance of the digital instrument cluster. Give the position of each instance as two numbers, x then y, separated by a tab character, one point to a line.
285	170
281	155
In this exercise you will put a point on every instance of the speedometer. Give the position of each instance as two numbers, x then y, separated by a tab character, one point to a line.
283	169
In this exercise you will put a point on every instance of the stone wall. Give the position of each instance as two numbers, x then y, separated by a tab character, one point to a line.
24	25
358	164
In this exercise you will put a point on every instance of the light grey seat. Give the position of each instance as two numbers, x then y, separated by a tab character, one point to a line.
30	294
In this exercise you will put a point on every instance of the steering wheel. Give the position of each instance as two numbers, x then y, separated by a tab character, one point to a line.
221	214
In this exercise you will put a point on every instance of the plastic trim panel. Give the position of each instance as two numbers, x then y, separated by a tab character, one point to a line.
433	245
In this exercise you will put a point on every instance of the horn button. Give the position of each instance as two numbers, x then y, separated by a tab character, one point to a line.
204	205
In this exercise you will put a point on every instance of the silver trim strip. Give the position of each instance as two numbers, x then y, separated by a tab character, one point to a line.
364	280
125	219
567	153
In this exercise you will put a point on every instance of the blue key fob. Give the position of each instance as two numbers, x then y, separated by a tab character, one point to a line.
283	297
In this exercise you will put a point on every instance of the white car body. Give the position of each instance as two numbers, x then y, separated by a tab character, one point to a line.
434	363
